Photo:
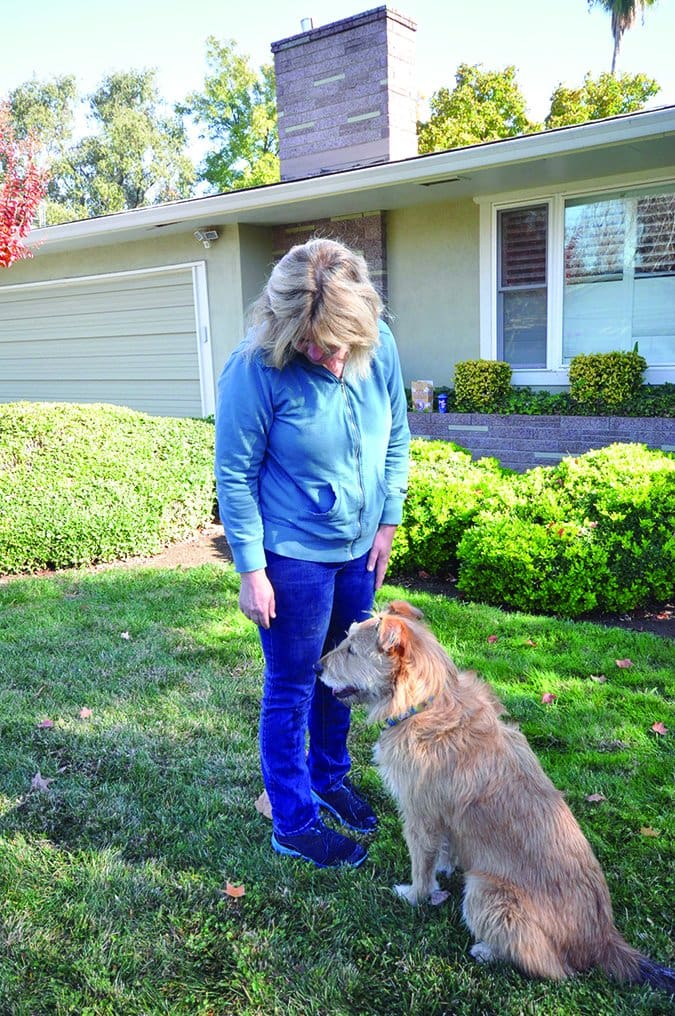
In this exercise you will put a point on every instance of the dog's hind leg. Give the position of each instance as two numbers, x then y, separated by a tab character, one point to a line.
425	848
506	928
446	860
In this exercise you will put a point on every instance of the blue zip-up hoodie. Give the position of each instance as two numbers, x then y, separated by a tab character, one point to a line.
308	465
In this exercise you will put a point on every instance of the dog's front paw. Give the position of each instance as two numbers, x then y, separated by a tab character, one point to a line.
407	892
482	952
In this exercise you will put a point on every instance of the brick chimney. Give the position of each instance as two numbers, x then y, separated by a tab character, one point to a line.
345	94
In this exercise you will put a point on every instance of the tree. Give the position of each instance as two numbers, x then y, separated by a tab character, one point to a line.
135	157
597	98
22	187
624	14
483	106
47	109
237	111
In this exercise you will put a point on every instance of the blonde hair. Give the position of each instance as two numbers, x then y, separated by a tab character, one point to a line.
318	292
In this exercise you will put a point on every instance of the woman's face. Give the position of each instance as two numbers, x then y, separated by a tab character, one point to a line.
332	360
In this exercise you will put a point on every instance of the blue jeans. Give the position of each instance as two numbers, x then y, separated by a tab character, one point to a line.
315	605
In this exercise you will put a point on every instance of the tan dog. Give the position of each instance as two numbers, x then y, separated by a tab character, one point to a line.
471	792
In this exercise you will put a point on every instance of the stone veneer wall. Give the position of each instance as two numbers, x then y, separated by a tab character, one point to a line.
364	233
522	442
346	94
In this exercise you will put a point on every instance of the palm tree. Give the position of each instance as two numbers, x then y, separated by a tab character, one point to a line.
624	15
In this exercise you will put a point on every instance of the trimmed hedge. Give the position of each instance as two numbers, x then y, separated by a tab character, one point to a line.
594	532
607	380
86	483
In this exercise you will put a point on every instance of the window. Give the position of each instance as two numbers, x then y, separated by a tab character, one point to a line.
584	274
522	289
620	275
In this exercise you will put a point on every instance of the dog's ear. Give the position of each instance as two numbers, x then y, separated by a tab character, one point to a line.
404	609
393	635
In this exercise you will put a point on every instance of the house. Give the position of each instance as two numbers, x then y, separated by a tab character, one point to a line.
531	249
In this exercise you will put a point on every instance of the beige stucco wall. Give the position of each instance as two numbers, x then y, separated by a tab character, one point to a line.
432	263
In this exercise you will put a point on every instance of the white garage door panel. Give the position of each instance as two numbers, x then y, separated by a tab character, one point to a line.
179	366
129	338
105	324
178	402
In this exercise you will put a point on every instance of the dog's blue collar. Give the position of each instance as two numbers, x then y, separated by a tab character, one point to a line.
393	720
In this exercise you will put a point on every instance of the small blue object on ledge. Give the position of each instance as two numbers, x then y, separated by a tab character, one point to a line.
442	402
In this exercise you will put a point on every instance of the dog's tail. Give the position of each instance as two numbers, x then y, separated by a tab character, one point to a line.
625	964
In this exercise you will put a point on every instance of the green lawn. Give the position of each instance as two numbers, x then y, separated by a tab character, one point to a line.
112	875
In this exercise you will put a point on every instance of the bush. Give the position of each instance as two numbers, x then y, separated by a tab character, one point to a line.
648	400
597	531
605	379
81	484
543	569
481	385
594	532
445	491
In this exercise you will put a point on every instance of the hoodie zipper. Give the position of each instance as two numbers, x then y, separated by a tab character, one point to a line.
357	450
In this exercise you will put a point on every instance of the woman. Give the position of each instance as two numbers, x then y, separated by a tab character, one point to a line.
311	469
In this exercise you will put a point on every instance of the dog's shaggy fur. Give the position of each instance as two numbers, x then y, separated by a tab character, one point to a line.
472	793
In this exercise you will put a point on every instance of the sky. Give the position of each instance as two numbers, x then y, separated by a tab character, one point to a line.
549	43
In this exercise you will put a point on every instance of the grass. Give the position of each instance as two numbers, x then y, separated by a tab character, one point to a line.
112	878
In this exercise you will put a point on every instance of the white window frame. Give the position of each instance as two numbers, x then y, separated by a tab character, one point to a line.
555	373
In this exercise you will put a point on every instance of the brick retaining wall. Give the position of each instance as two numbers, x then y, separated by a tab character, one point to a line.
521	442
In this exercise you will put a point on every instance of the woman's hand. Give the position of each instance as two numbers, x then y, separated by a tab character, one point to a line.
256	597
378	559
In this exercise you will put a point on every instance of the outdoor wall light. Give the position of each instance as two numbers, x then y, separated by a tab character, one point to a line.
206	236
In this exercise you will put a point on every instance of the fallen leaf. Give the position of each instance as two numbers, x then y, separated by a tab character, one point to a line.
45	724
599	678
624	664
659	728
263	805
40	783
423	574
529	642
595	798
648	831
125	635
438	896
235	891
85	713
548	698
492	638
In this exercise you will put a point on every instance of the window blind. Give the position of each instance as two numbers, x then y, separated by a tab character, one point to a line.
523	247
655	248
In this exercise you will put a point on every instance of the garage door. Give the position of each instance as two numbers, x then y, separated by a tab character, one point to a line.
137	339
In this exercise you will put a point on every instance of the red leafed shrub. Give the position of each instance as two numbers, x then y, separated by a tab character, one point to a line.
22	187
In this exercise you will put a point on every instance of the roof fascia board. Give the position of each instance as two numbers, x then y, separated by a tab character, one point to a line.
426	168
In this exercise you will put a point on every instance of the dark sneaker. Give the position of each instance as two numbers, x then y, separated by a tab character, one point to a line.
322	846
348	807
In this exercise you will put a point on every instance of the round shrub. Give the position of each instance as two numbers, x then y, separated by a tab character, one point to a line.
555	568
605	379
481	385
87	483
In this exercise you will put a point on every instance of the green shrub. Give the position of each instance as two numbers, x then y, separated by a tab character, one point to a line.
595	531
87	483
445	491
481	385
555	568
606	379
648	400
